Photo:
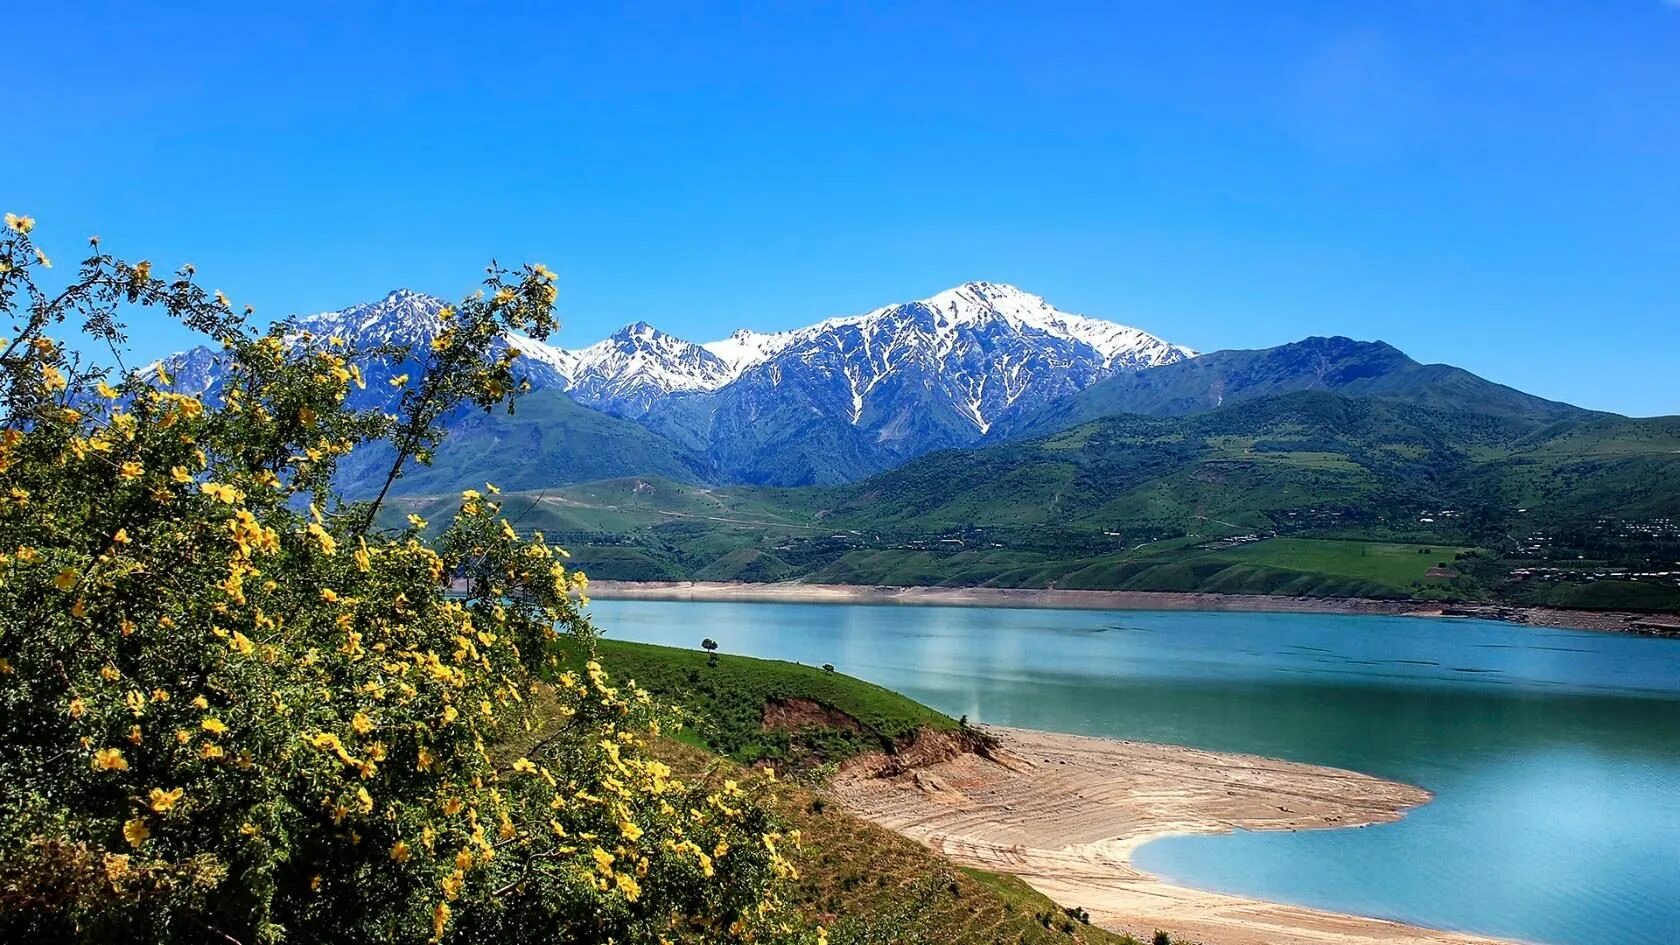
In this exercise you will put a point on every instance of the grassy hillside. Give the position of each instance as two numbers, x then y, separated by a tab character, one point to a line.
727	699
549	440
868	884
1583	511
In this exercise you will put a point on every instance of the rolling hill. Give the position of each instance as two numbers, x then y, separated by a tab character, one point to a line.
1336	365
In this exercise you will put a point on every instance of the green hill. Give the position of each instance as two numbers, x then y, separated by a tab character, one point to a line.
868	884
1208	501
1334	365
549	440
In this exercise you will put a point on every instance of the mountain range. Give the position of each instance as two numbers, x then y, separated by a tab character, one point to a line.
982	436
980	365
825	404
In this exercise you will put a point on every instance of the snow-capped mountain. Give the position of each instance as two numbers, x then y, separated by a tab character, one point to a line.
984	346
831	402
638	366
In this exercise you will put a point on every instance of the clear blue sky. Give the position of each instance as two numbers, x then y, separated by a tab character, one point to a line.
1492	184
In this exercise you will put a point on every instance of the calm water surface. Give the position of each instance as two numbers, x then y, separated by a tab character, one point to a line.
1554	755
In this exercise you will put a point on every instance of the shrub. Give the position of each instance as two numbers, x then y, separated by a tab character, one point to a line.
232	710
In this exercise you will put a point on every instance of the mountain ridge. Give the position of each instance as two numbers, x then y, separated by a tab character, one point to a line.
828	402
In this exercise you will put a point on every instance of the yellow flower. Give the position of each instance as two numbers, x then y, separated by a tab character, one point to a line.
603	860
130	470
440	920
221	492
136	832
452	884
142	272
109	759
121	537
214	726
105	390
20	224
425	761
361	723
524	766
241	644
416	521
180	474
364	800
328	544
399	851
162	801
329	595
199	702
66	579
78	708
628	886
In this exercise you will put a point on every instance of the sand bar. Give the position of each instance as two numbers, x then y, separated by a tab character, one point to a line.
799	592
1065	812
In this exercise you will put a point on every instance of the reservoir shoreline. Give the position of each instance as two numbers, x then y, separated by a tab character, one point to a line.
1059	598
1066	812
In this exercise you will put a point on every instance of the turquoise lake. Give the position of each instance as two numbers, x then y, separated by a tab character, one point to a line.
1554	754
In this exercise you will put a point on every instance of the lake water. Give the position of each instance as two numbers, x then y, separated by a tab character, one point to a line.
1554	755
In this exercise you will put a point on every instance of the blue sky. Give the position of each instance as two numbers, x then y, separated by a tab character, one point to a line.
1491	184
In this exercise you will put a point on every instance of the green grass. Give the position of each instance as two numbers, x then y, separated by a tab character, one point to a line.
1394	565
727	701
1087	507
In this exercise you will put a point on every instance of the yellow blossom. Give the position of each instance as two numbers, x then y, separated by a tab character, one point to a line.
328	544
130	470
162	801
214	726
400	851
136	832
109	759
440	920
221	492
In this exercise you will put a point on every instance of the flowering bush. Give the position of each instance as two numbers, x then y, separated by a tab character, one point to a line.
233	710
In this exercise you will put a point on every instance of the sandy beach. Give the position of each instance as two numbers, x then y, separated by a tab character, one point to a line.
1065	813
799	592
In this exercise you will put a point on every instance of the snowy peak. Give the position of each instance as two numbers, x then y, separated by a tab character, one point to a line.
975	306
744	349
403	316
639	365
